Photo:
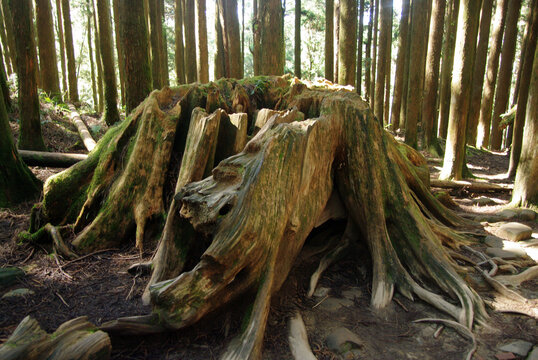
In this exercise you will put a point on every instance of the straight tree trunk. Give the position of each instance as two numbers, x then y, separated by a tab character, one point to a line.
256	41
219	44
69	50
347	43
508	54
486	105
431	77
30	137
164	46
478	73
525	192
178	33
59	19
189	21
156	31
111	115
374	53
419	26
360	36
203	62
229	44
384	40
329	40
386	111
90	53
271	37
400	66
368	60
134	36
4	89
523	93
454	160
446	68
119	48
47	49
8	21
5	44
98	62
336	36
297	47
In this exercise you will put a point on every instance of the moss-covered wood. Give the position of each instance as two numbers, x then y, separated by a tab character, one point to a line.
241	227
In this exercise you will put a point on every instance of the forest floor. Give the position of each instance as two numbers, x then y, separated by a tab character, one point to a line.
98	286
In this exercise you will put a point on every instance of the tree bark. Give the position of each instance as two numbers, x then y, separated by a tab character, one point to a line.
203	65
8	21
119	48
388	59
454	160
360	45
98	59
47	49
431	78
50	159
368	60
111	115
478	73
523	93
508	53
374	53
347	43
336	36
525	186
329	40
89	10
164	46
297	45
156	31
71	65
190	42
5	45
134	36
4	88
59	19
271	37
228	40
486	105
30	137
400	66
384	39
178	32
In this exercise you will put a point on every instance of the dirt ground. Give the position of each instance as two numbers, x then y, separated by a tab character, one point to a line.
99	286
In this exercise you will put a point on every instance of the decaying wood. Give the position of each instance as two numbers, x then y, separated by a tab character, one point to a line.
75	339
51	159
471	185
85	136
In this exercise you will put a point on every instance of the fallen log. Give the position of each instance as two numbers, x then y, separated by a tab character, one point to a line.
50	159
85	135
470	185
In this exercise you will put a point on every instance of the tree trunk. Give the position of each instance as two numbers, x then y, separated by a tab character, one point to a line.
374	53
8	21
111	115
526	68
164	46
368	67
454	160
59	19
329	40
189	18
336	36
178	33
227	235
30	137
447	66
271	37
90	53
156	31
119	48
134	37
50	159
47	49
5	45
388	59
297	45
508	53
360	36
400	66
256	55
347	43
228	40
203	65
525	186
98	59
71	65
385	38
4	88
486	105
418	27
17	183
478	72
431	77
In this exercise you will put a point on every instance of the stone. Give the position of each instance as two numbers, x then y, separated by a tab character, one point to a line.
346	302
533	355
487	218
508	214
514	231
8	276
331	304
494	241
527	215
352	293
18	293
321	292
505	254
484	201
518	347
342	340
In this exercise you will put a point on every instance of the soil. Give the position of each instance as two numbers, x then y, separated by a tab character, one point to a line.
98	286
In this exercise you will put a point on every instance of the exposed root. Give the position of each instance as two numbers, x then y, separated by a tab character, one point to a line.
516	280
298	339
462	330
485	258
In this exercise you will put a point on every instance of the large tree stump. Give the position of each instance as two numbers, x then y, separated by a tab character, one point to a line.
239	226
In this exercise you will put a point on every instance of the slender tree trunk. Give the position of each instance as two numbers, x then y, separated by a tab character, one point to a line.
486	105
271	37
47	49
98	62
4	89
111	115
454	160
419	26
165	76
5	45
508	53
90	53
69	50
386	111
220	58
256	55
329	39
347	48
525	186
228	40
297	47
203	65
523	94
178	32
431	80
189	18
447	65
156	32
336	35
119	48
368	57
30	137
59	19
360	36
384	40
374	53
400	65
134	36
8	21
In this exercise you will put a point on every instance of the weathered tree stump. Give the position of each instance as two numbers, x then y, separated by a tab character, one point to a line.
227	224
